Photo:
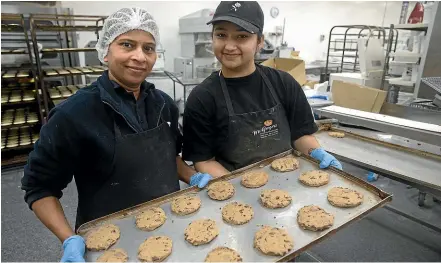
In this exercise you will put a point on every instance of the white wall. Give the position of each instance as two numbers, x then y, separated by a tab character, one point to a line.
305	21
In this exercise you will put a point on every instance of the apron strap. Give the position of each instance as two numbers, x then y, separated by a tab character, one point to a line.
226	95
269	85
117	130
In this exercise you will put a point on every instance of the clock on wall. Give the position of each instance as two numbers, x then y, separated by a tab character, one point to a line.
274	12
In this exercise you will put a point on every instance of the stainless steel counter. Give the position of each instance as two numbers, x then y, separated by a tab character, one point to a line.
416	130
410	165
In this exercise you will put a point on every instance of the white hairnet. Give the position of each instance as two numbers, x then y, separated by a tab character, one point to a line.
123	21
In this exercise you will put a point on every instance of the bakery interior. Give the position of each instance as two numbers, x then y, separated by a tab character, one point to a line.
370	70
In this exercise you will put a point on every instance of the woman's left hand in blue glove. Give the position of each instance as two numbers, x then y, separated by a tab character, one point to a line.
200	179
325	159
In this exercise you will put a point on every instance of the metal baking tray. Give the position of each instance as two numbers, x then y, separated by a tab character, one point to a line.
241	237
18	138
15	74
72	71
415	162
84	70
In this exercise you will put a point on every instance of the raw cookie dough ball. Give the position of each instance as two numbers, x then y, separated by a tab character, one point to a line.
155	249
285	164
254	179
201	232
114	255
314	178
103	237
151	219
223	254
185	205
275	198
273	241
344	197
236	213
314	218
221	190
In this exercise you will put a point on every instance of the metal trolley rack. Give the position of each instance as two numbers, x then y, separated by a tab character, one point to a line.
55	93
21	101
343	46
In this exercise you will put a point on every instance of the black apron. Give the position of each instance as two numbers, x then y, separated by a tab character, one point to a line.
144	169
254	136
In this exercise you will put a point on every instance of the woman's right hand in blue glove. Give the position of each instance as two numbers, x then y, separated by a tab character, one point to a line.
74	248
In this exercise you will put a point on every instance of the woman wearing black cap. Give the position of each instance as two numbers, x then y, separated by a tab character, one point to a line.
246	112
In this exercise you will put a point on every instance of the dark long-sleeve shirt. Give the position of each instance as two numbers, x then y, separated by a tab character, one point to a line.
79	138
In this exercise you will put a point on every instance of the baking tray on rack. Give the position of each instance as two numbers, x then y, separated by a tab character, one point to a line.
241	237
15	73
53	72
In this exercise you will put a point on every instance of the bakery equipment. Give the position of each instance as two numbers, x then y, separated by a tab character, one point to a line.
401	142
343	45
196	44
19	88
70	72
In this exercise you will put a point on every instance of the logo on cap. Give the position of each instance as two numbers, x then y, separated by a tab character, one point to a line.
236	6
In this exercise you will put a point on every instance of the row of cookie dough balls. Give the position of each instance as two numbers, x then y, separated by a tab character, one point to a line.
269	240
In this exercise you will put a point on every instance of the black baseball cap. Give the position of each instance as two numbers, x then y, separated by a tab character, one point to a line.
246	14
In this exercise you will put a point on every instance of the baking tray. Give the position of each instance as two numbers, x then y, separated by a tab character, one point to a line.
52	72
241	237
23	138
402	158
15	73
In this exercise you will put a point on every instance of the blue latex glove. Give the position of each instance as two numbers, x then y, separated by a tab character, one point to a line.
74	248
200	179
325	159
320	97
372	177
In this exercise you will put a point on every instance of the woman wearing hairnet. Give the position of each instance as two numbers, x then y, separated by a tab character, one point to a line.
119	137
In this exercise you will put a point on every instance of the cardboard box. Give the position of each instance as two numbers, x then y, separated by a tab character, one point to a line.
295	54
295	67
358	97
357	78
311	83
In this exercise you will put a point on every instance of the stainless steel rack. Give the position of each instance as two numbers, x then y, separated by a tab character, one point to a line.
21	102
63	24
343	45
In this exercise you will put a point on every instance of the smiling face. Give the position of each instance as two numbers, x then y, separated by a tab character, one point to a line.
131	57
233	46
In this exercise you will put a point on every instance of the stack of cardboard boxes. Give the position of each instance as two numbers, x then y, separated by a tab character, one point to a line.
344	94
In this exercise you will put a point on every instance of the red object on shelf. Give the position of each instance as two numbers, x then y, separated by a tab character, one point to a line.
417	14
